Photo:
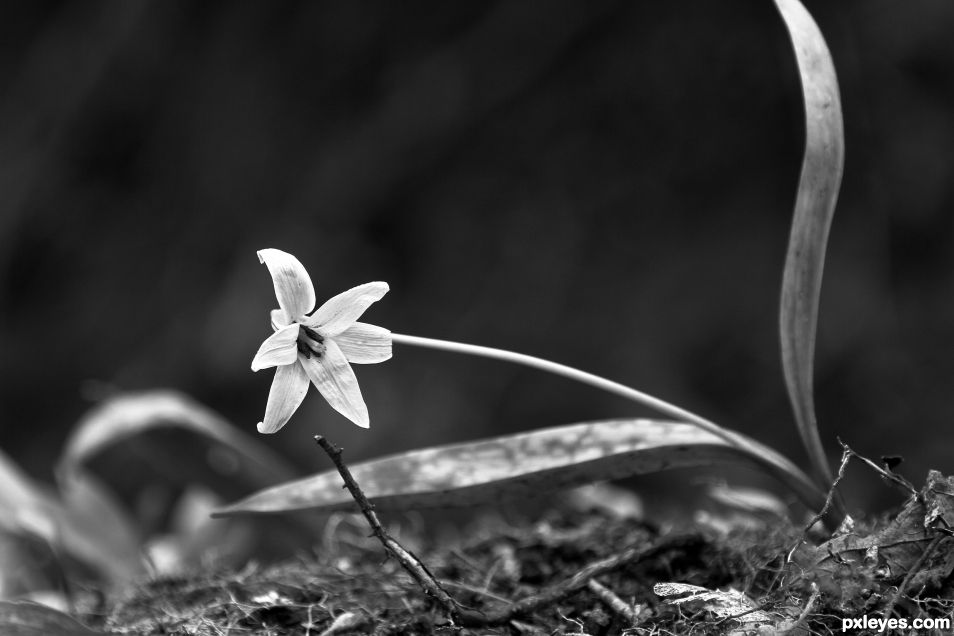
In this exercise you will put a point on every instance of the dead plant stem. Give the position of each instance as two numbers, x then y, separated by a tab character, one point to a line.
413	565
467	617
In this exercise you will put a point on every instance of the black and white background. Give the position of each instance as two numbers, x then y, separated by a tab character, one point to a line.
606	184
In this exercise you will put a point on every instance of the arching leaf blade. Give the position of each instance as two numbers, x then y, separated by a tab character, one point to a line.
510	467
178	437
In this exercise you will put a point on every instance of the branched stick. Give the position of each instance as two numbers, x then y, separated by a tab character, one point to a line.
408	560
845	456
471	618
888	475
578	581
819	516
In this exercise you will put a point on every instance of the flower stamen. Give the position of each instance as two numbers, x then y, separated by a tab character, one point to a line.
310	342
314	335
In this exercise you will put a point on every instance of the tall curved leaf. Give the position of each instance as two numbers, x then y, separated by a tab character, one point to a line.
814	206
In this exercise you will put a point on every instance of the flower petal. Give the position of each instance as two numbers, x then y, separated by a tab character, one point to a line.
288	390
280	348
278	318
293	288
334	378
340	312
362	343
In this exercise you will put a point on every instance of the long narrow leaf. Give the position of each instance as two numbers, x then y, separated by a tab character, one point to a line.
511	466
814	206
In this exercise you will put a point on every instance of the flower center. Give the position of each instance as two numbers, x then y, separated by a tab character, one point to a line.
310	342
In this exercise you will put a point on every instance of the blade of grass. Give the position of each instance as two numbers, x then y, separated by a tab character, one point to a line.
487	471
814	206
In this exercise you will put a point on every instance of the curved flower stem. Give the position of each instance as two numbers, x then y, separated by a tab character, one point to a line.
782	467
574	374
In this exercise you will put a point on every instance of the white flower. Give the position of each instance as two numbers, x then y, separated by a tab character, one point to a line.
317	346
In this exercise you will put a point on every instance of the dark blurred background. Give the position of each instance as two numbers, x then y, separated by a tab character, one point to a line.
606	184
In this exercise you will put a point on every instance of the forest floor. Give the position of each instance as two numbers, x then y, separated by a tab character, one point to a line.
572	572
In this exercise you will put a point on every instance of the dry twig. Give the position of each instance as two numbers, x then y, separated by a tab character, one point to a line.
471	618
614	602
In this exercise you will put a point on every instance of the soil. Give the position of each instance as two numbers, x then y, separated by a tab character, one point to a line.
588	565
346	585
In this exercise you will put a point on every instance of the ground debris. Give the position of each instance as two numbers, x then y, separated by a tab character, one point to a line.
875	559
492	564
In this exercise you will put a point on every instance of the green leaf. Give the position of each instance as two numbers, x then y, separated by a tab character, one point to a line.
23	618
814	206
506	467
